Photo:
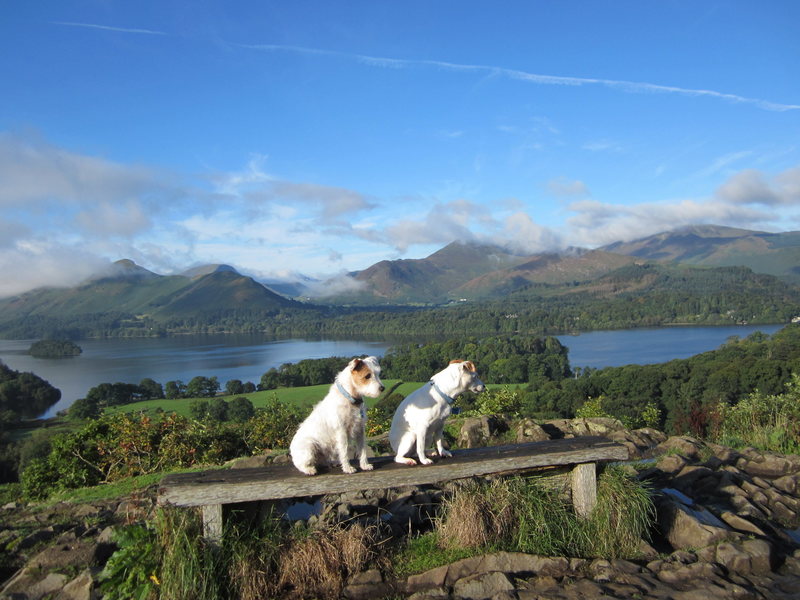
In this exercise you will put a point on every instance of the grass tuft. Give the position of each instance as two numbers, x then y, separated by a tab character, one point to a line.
523	515
317	565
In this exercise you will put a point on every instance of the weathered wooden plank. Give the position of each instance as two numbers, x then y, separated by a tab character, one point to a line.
584	488
284	481
212	522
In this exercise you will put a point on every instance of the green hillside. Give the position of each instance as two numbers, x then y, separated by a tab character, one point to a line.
775	254
135	301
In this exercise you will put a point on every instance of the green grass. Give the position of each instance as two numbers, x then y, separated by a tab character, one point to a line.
304	397
117	489
424	552
523	515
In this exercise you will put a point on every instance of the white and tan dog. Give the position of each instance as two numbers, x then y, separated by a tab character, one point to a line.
419	420
334	431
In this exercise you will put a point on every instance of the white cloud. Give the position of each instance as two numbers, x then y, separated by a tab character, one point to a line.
596	223
754	187
634	87
263	192
442	224
34	264
124	219
523	235
338	284
34	171
110	28
562	186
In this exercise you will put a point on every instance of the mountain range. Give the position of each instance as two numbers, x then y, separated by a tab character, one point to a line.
471	271
460	271
130	289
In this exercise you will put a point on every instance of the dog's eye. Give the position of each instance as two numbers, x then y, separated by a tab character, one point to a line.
368	375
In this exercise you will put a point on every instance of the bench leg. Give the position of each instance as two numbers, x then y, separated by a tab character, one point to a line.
212	522
584	489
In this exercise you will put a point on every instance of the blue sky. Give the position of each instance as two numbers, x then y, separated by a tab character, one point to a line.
322	137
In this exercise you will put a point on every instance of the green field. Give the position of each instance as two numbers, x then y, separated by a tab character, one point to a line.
304	397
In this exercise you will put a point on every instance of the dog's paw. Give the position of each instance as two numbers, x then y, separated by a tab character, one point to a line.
348	468
426	461
445	454
367	467
406	461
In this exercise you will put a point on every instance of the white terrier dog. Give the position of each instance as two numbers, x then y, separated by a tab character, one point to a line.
334	431
419	420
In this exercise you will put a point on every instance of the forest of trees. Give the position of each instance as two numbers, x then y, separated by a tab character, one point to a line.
24	395
685	391
54	349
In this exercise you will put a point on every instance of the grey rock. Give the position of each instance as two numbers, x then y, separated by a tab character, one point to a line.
80	588
740	523
482	586
687	446
530	431
686	527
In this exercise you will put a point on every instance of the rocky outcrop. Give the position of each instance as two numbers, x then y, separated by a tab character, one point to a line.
727	526
61	549
731	573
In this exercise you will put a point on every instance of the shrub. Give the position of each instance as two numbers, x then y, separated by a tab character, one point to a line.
129	444
592	408
130	572
272	427
240	409
503	401
765	421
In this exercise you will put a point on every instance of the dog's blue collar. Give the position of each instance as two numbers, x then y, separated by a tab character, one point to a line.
347	394
445	397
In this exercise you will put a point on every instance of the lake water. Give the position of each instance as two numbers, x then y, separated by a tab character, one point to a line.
247	357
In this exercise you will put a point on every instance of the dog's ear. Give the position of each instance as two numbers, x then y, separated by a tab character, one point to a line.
467	365
358	364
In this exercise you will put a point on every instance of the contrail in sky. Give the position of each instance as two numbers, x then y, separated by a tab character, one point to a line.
108	28
628	86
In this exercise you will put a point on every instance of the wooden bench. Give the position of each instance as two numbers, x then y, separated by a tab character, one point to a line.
211	490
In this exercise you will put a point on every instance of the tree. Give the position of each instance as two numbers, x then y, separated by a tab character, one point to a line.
54	349
25	394
198	409
114	394
240	410
175	389
234	387
85	408
218	410
150	389
202	387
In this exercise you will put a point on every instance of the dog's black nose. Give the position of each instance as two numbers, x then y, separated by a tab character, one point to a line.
382	388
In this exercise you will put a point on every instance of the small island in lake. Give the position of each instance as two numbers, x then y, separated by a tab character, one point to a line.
54	349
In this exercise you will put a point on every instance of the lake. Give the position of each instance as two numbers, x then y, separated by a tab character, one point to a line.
247	357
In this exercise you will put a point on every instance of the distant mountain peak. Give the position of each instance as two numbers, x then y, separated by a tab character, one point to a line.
712	231
202	270
124	269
